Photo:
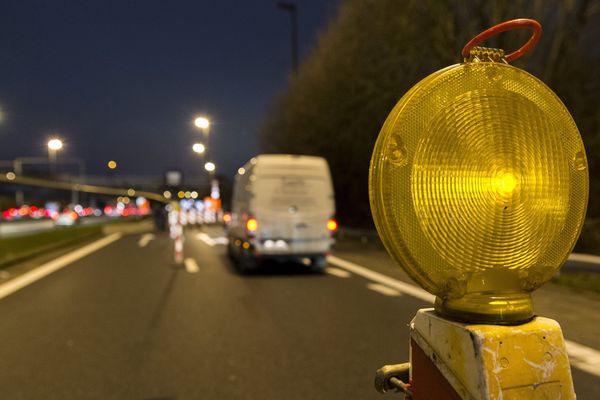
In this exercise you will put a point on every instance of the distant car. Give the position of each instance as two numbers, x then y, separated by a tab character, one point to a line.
67	218
282	209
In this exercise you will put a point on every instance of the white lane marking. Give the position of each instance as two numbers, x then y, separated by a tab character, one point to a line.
206	239
584	358
221	240
191	266
400	286
145	239
385	290
340	273
211	241
54	265
584	258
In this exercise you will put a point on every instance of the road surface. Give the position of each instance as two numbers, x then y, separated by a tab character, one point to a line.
122	321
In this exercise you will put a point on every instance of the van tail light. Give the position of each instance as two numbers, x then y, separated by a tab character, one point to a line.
332	225
251	225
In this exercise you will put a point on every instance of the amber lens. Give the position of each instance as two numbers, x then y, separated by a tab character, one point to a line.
479	187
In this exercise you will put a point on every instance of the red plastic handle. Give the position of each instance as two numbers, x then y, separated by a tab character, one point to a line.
506	26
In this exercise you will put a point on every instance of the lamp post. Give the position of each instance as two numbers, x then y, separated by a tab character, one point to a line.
204	125
293	10
54	145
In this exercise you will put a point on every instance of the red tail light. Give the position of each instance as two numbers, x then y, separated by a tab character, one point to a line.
332	225
251	225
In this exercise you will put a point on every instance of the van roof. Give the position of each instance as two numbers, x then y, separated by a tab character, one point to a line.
278	159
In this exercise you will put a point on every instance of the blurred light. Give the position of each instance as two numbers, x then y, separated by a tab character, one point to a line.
181	194
112	164
126	200
252	225
209	166
10	176
194	195
241	171
202	122
198	148
187	195
281	244
269	244
55	144
130	192
226	217
246	245
332	225
167	194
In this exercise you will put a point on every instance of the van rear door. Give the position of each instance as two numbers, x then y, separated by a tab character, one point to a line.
293	207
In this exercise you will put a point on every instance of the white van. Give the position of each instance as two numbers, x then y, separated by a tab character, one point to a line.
282	208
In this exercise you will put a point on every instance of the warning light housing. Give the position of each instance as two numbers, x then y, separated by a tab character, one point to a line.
478	188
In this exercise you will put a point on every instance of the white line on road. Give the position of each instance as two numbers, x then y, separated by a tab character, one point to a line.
400	286
206	239
145	239
584	258
191	266
383	289
584	358
54	265
211	241
340	273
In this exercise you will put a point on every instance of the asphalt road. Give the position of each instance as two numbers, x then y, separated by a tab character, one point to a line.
125	322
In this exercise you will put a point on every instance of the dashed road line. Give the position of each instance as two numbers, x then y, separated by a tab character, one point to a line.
145	239
582	357
191	266
54	265
400	286
383	289
211	241
340	273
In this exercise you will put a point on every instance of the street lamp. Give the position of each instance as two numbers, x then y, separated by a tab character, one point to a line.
202	123
199	148
210	166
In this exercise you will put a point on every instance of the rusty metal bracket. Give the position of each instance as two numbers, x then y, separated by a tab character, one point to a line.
393	378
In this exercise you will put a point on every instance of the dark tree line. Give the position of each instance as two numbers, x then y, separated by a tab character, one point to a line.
375	50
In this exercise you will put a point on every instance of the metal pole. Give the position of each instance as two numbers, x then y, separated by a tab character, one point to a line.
293	10
18	168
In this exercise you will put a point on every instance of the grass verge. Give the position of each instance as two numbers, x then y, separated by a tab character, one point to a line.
581	280
16	249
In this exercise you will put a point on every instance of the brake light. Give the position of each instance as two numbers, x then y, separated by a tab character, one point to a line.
332	225
252	225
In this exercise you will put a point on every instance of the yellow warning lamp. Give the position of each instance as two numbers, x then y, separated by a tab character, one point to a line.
479	184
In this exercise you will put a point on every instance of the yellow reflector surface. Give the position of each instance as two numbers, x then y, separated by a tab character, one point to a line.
478	188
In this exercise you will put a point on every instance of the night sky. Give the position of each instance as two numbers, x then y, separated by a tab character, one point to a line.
123	79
